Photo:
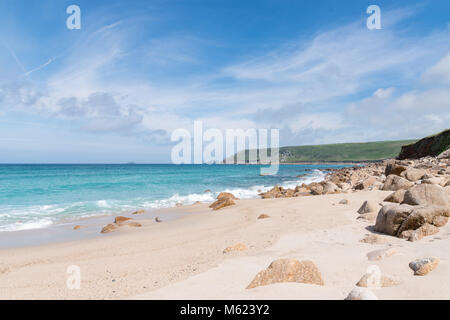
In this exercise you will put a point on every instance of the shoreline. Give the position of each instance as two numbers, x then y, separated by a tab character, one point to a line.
208	254
39	235
179	259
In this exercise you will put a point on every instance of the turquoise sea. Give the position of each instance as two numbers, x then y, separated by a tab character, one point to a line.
37	196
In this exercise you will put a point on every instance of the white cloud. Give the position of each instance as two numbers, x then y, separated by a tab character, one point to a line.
439	73
303	88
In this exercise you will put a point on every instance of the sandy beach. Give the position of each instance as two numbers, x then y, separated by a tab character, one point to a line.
184	259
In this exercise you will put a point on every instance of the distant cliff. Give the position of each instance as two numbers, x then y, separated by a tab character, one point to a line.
340	152
429	146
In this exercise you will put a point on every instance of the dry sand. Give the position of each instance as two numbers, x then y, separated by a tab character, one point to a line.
183	258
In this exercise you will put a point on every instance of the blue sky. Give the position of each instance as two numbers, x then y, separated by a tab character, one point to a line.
116	89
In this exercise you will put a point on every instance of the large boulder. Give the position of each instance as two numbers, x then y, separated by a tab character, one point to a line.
413	174
288	270
391	217
394	183
316	189
426	194
393	168
423	231
396	219
365	184
396	197
447	190
329	187
433	180
418	216
444	155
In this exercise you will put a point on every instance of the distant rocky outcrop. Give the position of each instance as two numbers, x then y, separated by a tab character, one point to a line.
429	146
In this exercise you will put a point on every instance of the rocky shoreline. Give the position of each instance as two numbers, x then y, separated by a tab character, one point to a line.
417	207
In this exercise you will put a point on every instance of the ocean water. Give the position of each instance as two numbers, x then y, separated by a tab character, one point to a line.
37	196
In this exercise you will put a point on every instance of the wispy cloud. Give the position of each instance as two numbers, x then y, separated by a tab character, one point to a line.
346	83
13	54
42	66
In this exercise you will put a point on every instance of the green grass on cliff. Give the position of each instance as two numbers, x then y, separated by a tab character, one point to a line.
342	152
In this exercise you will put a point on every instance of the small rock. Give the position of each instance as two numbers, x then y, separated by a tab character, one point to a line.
369	216
367	207
77	227
222	203
373	239
131	224
343	201
288	270
236	247
139	212
263	216
372	280
381	254
226	195
157	219
423	266
360	293
109	228
121	219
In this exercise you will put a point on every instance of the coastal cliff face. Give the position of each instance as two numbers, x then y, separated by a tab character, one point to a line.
429	146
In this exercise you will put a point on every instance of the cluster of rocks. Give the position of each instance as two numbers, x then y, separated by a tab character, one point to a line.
345	180
418	205
314	188
119	222
292	270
